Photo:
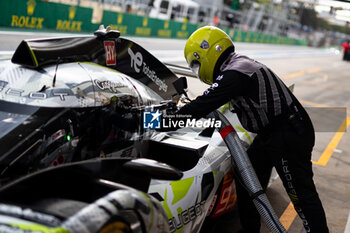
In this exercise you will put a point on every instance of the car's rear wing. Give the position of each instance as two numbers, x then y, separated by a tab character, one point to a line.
38	53
105	48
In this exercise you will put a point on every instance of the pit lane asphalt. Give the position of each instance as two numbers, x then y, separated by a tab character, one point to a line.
322	81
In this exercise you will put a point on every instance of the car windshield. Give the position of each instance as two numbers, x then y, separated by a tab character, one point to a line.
20	125
34	137
9	120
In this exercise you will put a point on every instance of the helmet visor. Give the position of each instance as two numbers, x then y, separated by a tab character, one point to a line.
195	67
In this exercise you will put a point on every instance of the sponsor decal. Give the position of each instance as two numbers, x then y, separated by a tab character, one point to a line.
31	4
204	45
139	65
28	21
123	29
226	201
14	92
293	193
69	25
136	60
140	31
211	88
108	85
219	77
119	26
61	95
144	30
183	33
164	33
37	95
32	95
186	216
72	10
151	74
110	53
151	120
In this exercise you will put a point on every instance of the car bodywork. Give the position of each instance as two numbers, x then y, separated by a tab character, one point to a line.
65	101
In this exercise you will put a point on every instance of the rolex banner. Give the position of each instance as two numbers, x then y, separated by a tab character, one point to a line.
51	16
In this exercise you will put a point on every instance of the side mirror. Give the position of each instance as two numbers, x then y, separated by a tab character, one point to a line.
180	86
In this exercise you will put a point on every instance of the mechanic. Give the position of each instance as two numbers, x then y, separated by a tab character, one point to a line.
346	50
264	105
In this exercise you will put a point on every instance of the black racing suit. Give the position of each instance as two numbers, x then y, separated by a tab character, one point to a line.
285	142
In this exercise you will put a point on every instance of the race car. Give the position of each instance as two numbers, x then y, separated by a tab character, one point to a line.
77	154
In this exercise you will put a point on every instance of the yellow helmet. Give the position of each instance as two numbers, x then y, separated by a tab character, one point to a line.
203	49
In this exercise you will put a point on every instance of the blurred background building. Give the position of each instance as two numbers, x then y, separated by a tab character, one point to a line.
321	22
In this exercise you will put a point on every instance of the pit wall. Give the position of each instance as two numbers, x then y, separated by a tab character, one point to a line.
43	15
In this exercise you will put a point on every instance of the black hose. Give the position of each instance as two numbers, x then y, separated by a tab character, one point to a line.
239	179
247	173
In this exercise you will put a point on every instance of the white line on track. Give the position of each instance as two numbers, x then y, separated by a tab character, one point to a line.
255	51
177	55
6	53
39	33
